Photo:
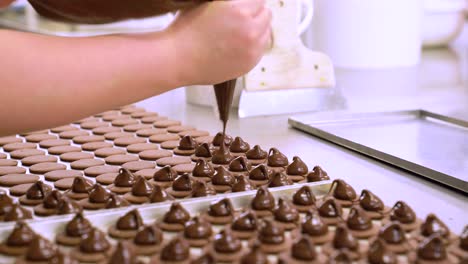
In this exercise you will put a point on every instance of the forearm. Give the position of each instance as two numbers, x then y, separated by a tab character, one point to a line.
47	81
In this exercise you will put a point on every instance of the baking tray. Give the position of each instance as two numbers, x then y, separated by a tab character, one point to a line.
51	226
431	145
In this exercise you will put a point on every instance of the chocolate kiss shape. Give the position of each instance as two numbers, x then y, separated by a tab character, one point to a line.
5	202
176	214
17	212
222	177
115	201
149	235
239	145
203	151
78	226
379	254
255	256
317	174
206	258
222	207
40	249
341	257
159	195
182	183
276	158
402	213
197	228
392	233
313	225
123	254
358	219
239	164
130	221
124	179
80	185
259	173
434	225
203	169
201	189
246	221
279	179
52	199
225	242
38	191
142	187
98	194
221	155
68	206
304	249
432	248
271	233
21	236
167	173
297	167
187	143
342	190
344	239
178	249
256	153
285	212
464	239
241	184
329	208
263	200
371	202
218	139
94	242
304	196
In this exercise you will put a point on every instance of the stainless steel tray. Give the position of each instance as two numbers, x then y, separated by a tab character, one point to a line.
428	144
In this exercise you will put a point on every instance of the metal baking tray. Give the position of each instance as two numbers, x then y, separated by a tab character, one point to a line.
49	227
431	145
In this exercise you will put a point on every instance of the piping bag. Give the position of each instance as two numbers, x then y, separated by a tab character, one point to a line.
224	93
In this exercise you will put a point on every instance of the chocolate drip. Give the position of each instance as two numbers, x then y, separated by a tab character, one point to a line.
203	151
224	93
358	219
344	239
124	179
259	173
370	202
285	212
271	233
342	190
197	228
241	184
255	256
142	187
206	258
187	143
5	203
379	254
68	206
78	226
21	236
17	212
115	201
313	225
222	177
246	221
304	196
330	208
239	164
239	146
166	174
279	179
392	233
222	207
432	248
403	213
304	249
263	200
297	167
149	235
182	183
202	189
434	225
130	221
219	137
52	200
225	242
176	214
94	242
38	191
256	153
276	158
98	194
222	155
203	169
317	174
463	244
178	249
159	195
123	254
40	249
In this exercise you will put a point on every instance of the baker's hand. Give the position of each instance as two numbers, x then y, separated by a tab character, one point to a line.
220	40
5	3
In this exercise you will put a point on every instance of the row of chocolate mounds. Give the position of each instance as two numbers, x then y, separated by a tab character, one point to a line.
337	228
